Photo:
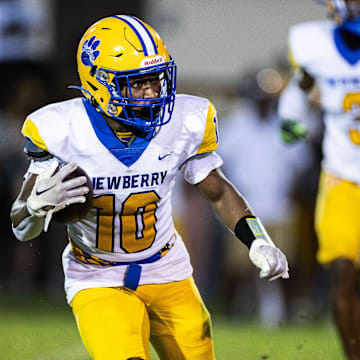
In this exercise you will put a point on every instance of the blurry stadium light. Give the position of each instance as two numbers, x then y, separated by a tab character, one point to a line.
269	81
26	29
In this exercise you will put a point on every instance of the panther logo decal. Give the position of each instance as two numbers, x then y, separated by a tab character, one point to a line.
89	52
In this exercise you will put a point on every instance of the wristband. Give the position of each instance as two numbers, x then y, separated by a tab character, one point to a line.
249	228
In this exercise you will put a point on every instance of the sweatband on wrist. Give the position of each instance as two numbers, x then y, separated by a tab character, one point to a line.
249	228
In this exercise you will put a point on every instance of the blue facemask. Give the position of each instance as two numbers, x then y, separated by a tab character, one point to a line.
352	26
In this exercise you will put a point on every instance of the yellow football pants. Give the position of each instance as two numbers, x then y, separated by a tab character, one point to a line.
337	219
117	323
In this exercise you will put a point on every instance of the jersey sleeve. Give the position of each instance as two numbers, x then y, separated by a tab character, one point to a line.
31	132
203	159
307	42
298	51
48	128
199	167
210	140
40	129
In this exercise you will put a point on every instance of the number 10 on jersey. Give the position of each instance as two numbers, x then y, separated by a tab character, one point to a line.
137	221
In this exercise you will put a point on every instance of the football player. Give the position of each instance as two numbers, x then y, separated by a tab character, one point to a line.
128	277
326	54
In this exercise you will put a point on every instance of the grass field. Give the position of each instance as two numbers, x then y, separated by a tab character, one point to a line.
38	329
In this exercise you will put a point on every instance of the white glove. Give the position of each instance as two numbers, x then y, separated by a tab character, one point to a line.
51	194
269	259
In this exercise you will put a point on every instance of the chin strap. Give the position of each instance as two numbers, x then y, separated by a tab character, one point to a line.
80	88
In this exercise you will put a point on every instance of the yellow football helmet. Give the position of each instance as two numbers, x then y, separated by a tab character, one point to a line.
346	13
113	51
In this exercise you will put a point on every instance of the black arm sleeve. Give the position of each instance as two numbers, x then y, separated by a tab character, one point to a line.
33	152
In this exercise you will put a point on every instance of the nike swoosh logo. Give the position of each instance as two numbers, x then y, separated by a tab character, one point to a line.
164	156
42	191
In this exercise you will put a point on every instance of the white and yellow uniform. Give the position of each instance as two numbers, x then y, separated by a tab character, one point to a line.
317	47
131	218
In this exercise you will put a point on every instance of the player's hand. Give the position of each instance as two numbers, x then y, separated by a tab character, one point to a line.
292	131
51	193
269	259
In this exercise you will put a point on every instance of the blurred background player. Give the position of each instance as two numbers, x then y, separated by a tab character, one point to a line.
127	272
271	177
28	82
325	56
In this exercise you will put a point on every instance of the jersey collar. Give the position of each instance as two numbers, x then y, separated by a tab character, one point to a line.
128	155
351	56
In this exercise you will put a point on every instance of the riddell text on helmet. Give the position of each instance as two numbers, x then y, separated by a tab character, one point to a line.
153	61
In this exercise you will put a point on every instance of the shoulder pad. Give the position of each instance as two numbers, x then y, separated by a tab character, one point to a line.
33	152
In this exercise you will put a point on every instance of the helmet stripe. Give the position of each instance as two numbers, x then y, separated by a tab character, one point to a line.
340	7
150	36
146	40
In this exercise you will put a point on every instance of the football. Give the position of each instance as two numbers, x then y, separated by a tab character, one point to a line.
75	212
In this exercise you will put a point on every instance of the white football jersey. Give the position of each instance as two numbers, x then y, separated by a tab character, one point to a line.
317	47
131	217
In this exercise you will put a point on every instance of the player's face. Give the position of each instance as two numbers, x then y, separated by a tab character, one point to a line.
140	89
143	87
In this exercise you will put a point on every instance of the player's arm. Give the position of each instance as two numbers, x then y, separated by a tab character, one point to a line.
236	214
41	196
293	105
